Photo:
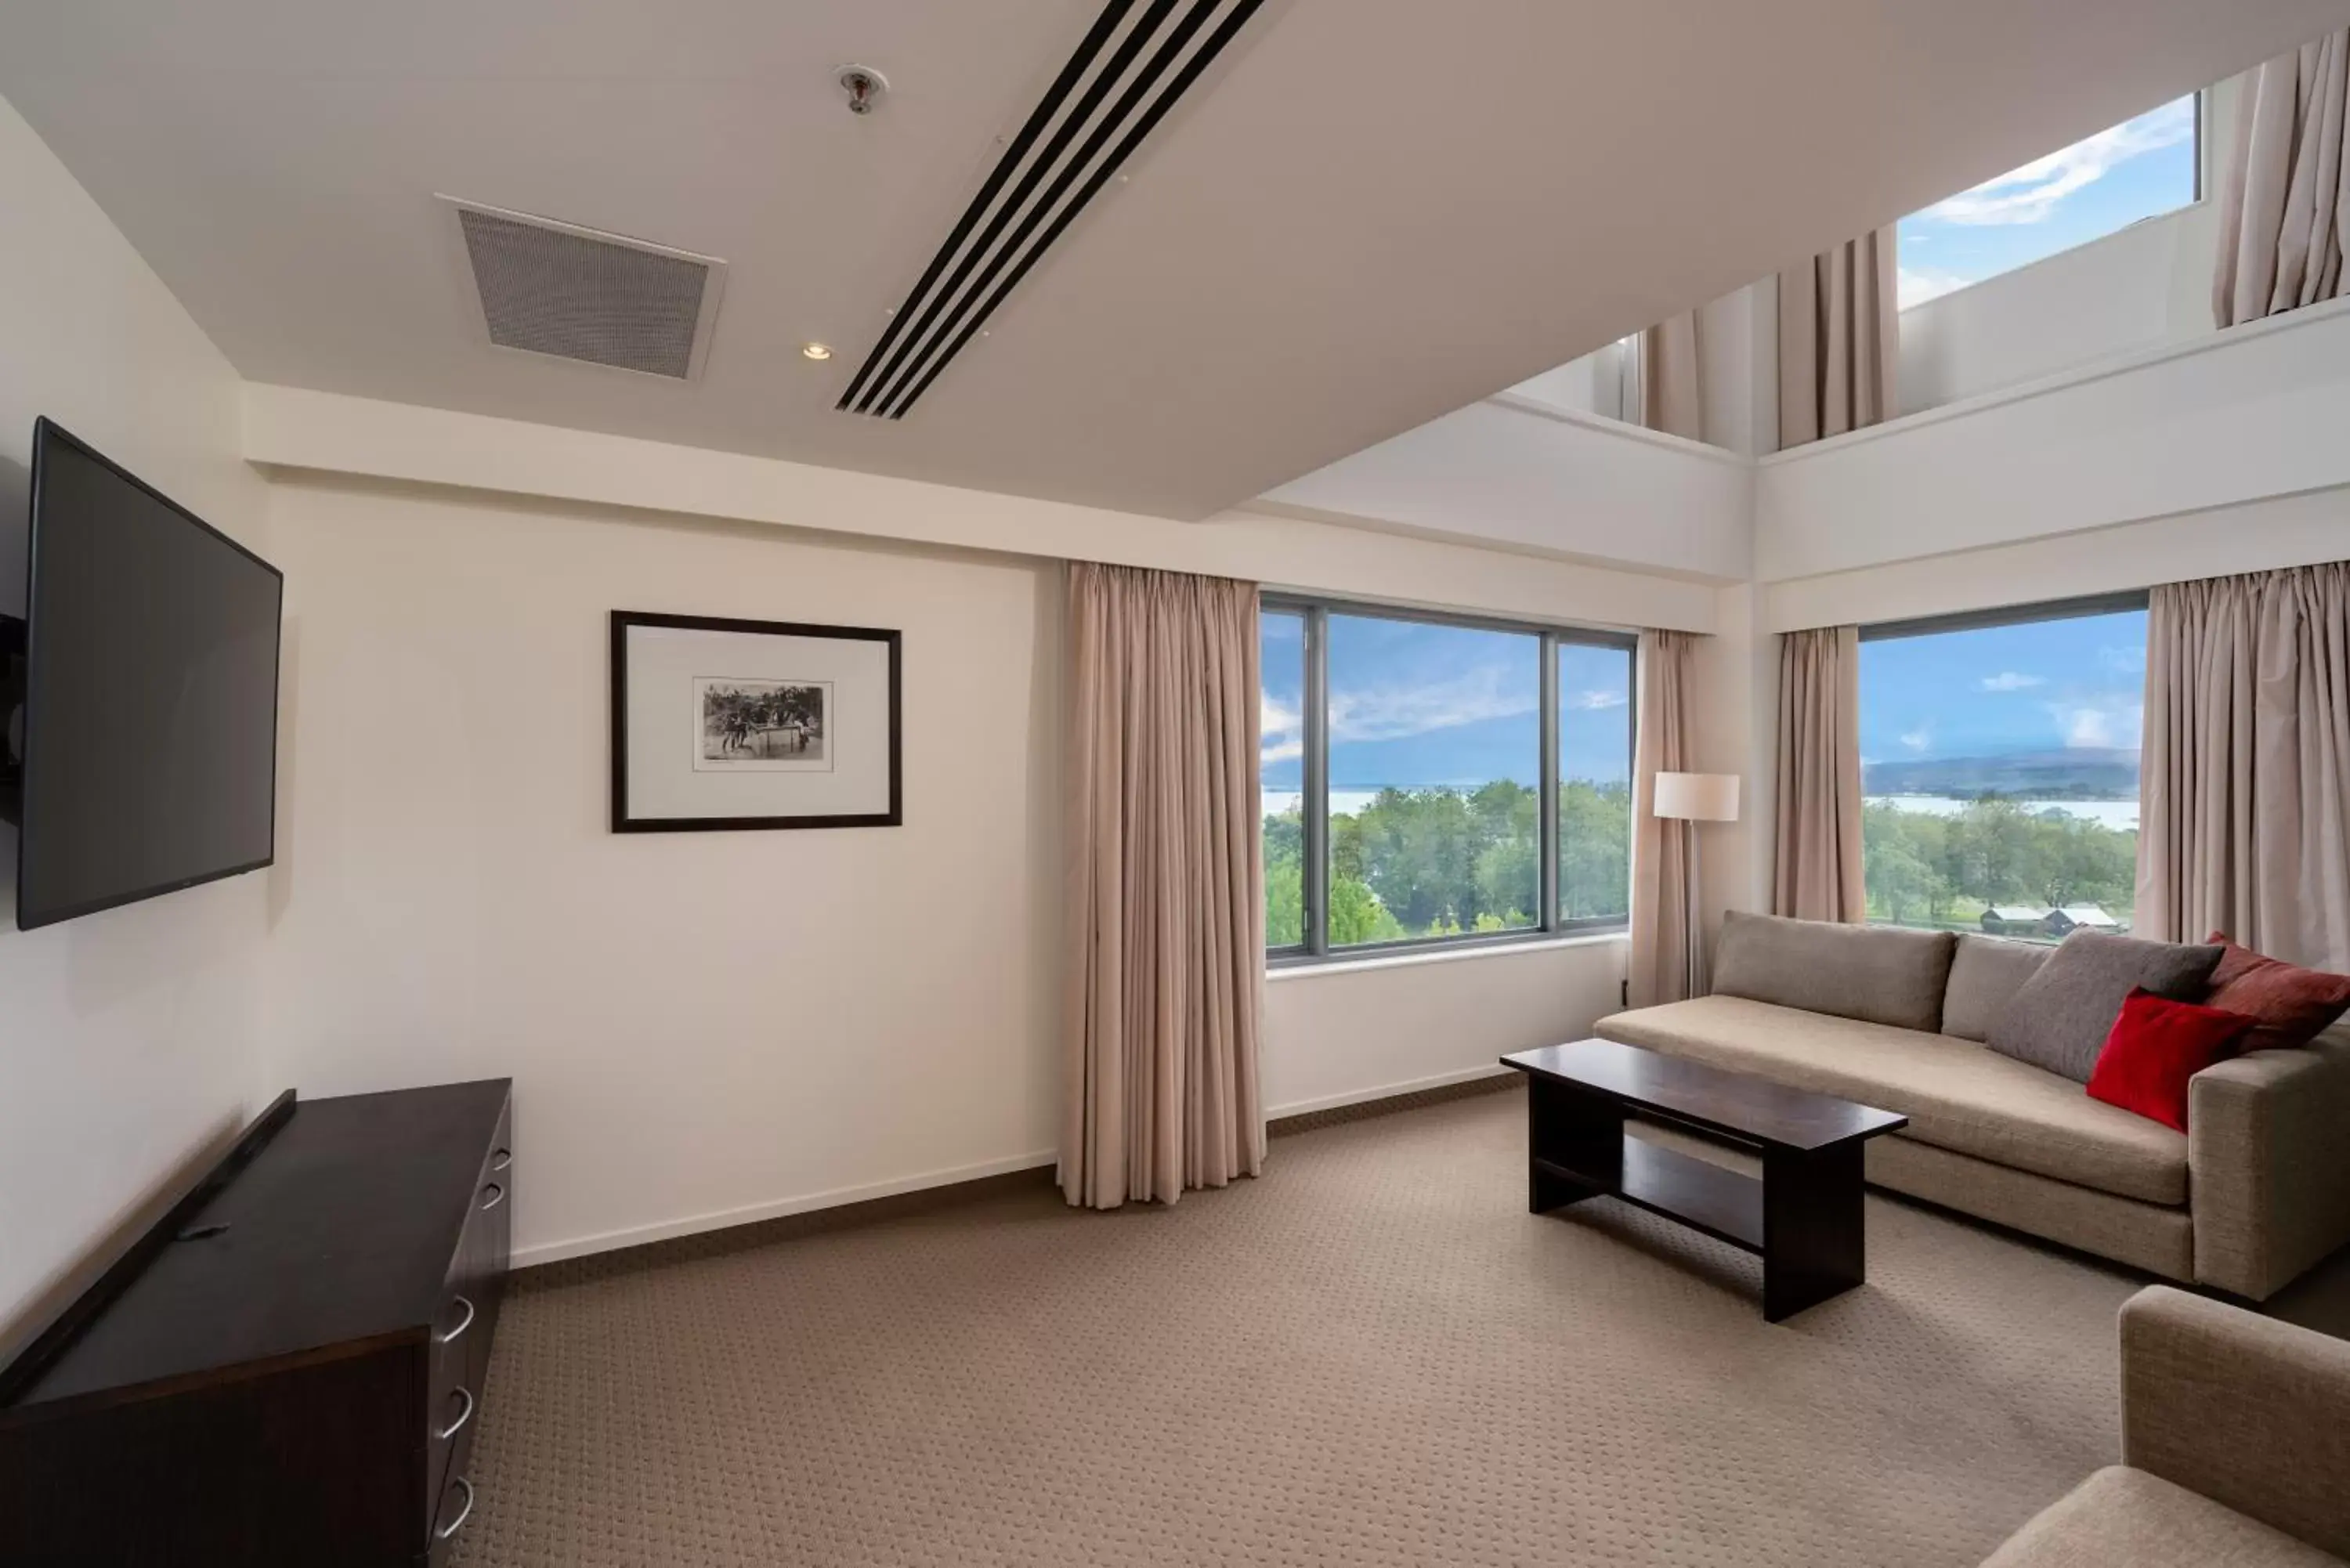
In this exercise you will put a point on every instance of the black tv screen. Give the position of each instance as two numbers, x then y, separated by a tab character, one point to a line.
150	693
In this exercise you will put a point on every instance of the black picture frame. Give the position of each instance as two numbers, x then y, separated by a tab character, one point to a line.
623	621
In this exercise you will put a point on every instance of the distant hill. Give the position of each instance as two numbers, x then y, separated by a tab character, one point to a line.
2080	774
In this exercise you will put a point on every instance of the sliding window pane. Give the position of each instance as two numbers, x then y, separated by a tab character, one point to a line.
1281	769
1435	738
1595	782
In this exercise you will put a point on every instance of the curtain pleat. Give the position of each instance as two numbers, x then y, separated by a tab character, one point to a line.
1662	930
1671	395
2245	780
1166	899
1840	340
1818	873
2284	203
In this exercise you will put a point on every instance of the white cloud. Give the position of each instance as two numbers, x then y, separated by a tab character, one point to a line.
1918	739
1282	732
1393	712
2107	724
1593	701
2011	680
2122	660
1916	285
2033	193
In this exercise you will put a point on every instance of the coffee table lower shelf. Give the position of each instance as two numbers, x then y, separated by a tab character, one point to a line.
1724	1204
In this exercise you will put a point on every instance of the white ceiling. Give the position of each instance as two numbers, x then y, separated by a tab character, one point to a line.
1376	212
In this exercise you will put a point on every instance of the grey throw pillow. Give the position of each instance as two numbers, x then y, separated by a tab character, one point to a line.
1877	973
2060	1017
1985	974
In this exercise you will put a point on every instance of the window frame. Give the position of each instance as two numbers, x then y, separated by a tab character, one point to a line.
2119	601
1314	612
2203	183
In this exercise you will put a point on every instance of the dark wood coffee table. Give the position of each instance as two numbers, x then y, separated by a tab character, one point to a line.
1803	1216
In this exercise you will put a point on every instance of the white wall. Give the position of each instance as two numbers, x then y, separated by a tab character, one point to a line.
702	1027
1512	472
290	427
708	1028
1340	1033
2137	288
2245	415
129	1041
2256	536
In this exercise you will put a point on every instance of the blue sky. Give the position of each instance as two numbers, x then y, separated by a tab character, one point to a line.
2043	686
1414	705
2140	167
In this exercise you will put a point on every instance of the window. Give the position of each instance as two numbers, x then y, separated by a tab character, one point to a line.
2000	768
2140	168
1595	782
1429	780
1281	639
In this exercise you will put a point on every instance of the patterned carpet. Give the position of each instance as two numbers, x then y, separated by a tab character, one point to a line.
1372	1355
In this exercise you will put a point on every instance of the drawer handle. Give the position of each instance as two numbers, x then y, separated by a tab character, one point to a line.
468	1323
496	1195
458	1523
501	1159
457	1426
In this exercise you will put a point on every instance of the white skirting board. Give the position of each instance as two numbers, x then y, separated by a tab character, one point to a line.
669	1230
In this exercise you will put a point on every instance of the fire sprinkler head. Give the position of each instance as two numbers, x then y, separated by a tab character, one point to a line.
863	86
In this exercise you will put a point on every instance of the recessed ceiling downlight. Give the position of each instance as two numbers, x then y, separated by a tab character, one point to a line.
816	351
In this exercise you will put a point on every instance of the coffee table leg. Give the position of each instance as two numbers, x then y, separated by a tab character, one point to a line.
1814	1237
1575	1146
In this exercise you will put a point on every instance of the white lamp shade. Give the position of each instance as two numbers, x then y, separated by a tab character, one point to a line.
1698	797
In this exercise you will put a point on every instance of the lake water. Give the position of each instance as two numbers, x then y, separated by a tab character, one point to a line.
2120	814
1343	802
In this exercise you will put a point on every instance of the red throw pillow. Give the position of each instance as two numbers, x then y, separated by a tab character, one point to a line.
2155	1045
2287	1004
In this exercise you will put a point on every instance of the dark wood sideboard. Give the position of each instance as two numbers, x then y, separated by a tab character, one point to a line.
287	1367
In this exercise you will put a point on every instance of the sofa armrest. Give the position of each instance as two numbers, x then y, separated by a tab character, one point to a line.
2268	1166
2252	1413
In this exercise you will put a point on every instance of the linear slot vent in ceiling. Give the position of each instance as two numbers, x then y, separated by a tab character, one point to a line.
556	288
1134	64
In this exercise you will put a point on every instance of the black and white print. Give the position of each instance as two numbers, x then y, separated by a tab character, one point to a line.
748	726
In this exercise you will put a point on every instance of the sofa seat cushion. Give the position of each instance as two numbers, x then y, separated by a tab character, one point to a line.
1956	1094
2123	1517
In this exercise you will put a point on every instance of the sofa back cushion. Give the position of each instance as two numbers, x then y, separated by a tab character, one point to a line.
1985	972
2289	1005
2060	1016
1876	973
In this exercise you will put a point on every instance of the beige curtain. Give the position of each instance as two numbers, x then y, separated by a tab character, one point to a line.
1664	930
1839	337
1165	912
2245	791
1817	875
1671	398
2285	201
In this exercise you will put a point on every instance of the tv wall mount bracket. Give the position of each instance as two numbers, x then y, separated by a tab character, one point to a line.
12	718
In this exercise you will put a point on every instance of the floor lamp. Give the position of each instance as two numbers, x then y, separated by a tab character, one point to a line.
1694	797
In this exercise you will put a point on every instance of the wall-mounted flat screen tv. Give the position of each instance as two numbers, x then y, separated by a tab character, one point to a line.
149	738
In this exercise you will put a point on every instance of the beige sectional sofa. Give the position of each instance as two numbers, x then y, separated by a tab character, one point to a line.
2258	1192
2235	1449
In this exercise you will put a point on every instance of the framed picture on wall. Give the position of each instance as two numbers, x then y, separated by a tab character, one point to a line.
722	725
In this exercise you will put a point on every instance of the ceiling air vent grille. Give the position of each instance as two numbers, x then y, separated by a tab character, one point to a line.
1137	60
556	288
